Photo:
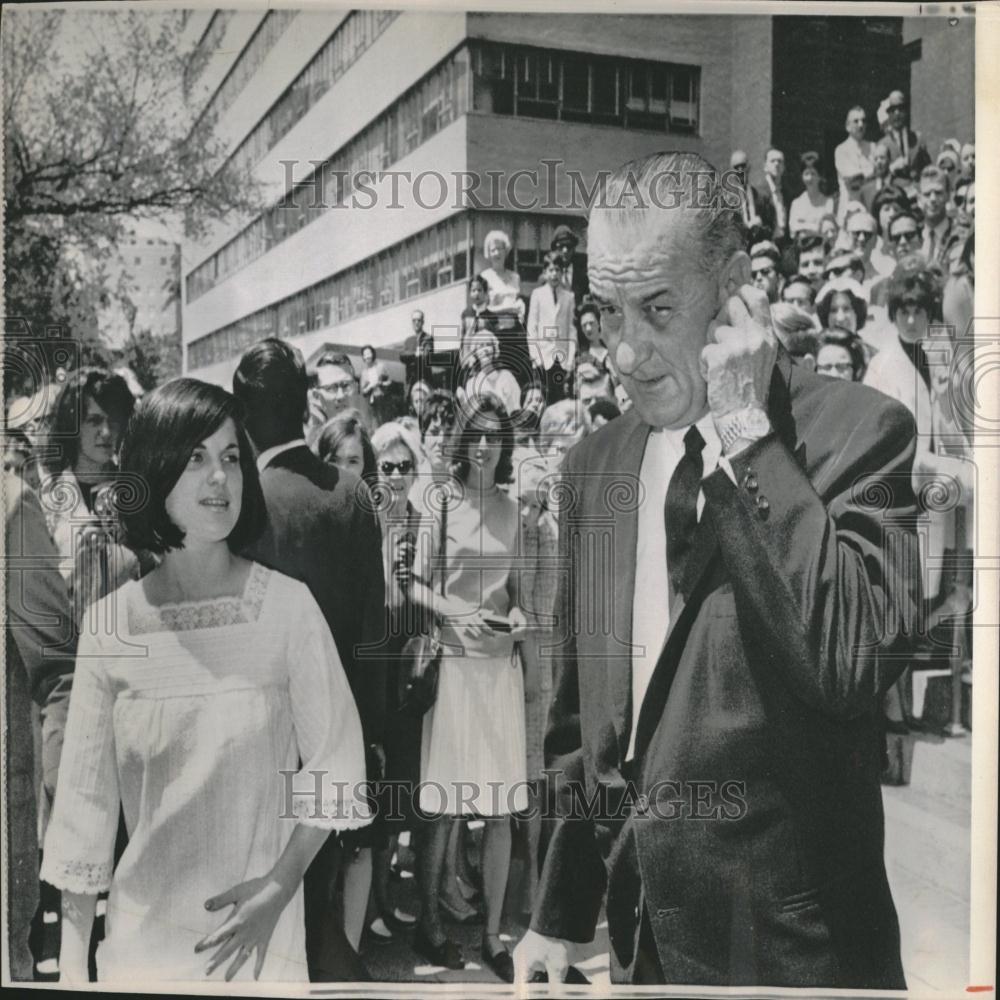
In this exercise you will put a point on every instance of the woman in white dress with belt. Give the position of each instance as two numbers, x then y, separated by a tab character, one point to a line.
473	753
198	691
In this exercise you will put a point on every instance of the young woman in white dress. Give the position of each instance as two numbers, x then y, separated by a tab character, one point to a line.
198	692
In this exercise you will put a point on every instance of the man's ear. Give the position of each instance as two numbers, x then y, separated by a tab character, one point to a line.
808	362
735	274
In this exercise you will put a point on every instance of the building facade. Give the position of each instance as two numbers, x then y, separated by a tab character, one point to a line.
145	282
390	143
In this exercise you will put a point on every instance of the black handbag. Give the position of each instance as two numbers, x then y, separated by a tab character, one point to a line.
422	654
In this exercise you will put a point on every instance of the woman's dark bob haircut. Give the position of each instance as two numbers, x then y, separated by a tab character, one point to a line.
340	427
475	418
109	391
917	286
168	424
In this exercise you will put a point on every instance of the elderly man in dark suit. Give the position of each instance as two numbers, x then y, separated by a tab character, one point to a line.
321	530
715	723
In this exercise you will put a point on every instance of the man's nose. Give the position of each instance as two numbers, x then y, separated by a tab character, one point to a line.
634	346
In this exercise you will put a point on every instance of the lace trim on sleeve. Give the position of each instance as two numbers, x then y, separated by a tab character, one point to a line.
85	877
337	813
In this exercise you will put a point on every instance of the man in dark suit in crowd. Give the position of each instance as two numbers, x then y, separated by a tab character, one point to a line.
906	147
321	530
41	650
716	731
756	210
574	276
774	197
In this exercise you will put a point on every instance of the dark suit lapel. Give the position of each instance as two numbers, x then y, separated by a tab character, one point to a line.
619	659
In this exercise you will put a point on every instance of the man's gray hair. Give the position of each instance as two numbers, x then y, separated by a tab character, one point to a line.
686	183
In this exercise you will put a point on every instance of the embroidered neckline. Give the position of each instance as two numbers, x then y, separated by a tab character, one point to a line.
215	612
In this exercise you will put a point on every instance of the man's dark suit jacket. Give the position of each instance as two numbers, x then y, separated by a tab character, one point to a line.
917	155
766	209
795	614
40	641
579	284
322	530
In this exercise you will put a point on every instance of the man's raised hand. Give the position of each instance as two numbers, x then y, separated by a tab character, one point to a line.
738	365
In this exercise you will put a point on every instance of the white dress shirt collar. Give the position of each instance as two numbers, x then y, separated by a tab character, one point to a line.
269	454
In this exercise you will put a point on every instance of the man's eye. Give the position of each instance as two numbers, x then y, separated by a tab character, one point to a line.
658	309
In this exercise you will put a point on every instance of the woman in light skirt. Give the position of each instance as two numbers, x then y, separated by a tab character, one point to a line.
473	748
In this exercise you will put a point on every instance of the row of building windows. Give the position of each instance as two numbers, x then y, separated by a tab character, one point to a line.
353	36
442	255
270	29
490	78
207	45
572	86
420	113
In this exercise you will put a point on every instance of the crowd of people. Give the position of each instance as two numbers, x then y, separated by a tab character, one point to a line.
268	556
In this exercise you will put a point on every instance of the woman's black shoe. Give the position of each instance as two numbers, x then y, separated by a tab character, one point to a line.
447	953
500	962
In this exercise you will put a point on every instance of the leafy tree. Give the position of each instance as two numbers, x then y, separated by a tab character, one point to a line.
98	136
154	358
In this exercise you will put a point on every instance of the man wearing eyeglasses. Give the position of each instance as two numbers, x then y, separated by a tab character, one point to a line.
906	147
844	262
861	228
764	270
906	239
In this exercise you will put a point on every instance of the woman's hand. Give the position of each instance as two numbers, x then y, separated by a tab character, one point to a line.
519	626
257	905
468	617
402	561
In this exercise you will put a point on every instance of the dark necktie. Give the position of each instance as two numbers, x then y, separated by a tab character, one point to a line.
680	511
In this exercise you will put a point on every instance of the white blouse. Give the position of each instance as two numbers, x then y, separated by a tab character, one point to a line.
504	291
195	719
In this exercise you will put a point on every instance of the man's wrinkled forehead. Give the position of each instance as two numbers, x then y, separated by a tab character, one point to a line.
637	245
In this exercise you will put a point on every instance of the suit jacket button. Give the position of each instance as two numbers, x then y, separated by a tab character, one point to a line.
750	482
763	506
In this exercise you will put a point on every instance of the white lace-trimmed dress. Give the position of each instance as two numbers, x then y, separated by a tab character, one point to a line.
186	715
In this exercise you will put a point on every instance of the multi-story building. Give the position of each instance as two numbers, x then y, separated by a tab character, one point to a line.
144	279
468	122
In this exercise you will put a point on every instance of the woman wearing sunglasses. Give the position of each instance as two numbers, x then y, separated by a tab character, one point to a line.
473	746
396	457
